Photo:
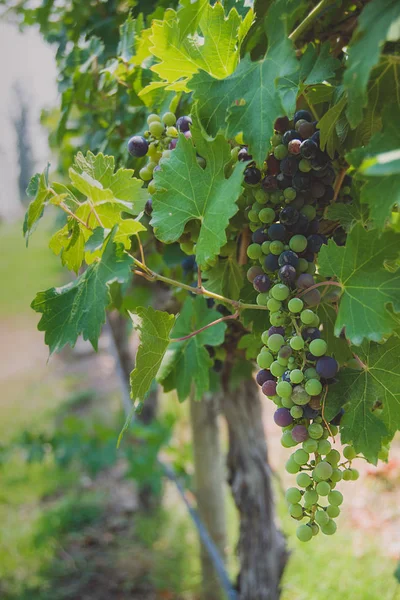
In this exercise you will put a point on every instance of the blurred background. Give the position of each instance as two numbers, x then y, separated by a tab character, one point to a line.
79	518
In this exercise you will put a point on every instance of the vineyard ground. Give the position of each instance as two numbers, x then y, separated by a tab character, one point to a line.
66	536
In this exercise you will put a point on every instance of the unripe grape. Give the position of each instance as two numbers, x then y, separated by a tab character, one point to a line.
265	360
333	511
296	376
300	396
321	518
310	445
293	495
304	533
295	305
153	118
323	471
349	452
292	467
284	389
329	528
318	347
296	412
310	498
169	119
303	480
315	431
323	488
301	457
296	342
287	441
156	129
324	447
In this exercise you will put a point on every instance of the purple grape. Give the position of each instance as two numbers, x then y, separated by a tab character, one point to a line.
312	298
184	123
285	351
329	177
290	135
269	183
286	376
282	417
138	146
287	275
301	181
263	376
188	134
317	189
277	231
310	357
281	124
316	137
261	283
328	195
252	175
320	161
299	433
271	262
302	114
253	272
308	149
301	226
310	413
173	143
304	281
289	215
148	208
310	333
279	330
288	257
243	155
273	165
269	388
313	226
283	181
315	242
289	166
298	203
259	236
306	130
327	367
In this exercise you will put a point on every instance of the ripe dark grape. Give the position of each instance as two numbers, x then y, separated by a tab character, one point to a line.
281	124
259	236
269	183
290	135
138	146
262	283
289	215
327	367
308	149
336	420
148	208
301	225
301	181
285	352
312	298
310	333
263	376
302	114
306	130
243	155
184	123
320	161
278	330
173	144
283	181
316	137
305	281
300	433
287	275
329	177
252	175
314	243
271	262
294	147
289	166
313	227
253	272
288	257
317	189
282	417
277	231
328	196
273	165
269	388
286	376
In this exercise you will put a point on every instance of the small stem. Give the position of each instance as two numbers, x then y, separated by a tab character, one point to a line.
71	214
142	258
199	282
244	242
317	285
323	416
338	183
360	362
221	320
94	211
310	18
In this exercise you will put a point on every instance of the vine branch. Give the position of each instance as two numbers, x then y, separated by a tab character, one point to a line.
309	19
317	285
221	320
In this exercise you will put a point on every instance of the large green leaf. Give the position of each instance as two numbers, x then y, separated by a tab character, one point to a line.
226	278
188	363
328	126
372	31
79	307
250	94
154	331
38	189
186	191
368	288
370	396
338	347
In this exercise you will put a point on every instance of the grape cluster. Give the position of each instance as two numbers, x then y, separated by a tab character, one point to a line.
288	199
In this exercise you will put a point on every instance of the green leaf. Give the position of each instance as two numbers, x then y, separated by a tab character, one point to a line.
215	50
38	188
351	213
327	126
250	94
154	331
257	319
251	342
186	191
79	307
188	363
397	572
226	278
372	31
385	163
69	243
368	288
127	34
338	347
370	396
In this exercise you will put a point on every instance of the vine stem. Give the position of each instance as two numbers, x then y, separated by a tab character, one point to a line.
190	335
310	18
360	362
338	183
317	285
200	291
71	214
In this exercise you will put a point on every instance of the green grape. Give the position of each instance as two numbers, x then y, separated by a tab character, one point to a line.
254	251
260	196
289	193
265	247
276	247
287	440
310	445
309	211
296	342
274	305
287	403
296	412
334	429
282	361
346	475
296	376
329	528
153	150
323	471
336	475
291	466
276	400
156	129
169	119
303	480
267	215
276	369
296	511
305	166
253	216
335	498
324	447
275	342
153	118
349	452
354	474
256	208
307	316
313	387
301	457
315	431
254	226
318	347
321	518
300	396
298	243
264	337
173	133
303	265
265	360
311	269
304	533
311	373
315	528
151	165
316	321
262	299
145	174
276	139
280	151
277	318
293	495
187	247
323	488
280	291
151	188
295	305
333	511
310	498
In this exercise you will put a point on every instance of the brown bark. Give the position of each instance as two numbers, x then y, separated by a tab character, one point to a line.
261	547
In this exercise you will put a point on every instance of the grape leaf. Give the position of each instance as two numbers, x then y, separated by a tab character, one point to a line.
38	189
363	54
187	363
368	288
186	191
154	331
226	278
257	319
79	307
215	50
370	396
327	126
349	214
338	347
251	342
250	94
381	190
69	243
